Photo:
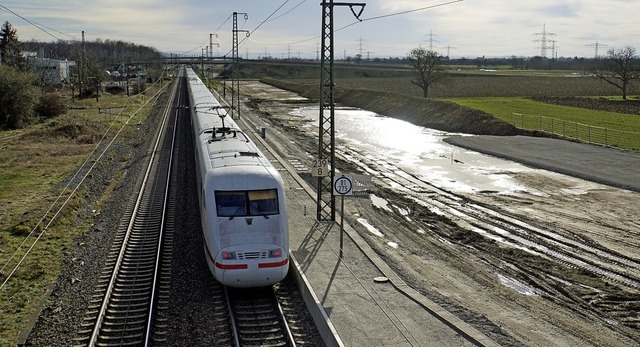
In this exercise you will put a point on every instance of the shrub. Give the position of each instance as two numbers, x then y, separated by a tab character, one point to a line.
51	105
115	90
18	97
20	230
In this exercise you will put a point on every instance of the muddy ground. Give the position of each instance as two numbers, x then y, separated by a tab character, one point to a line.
513	295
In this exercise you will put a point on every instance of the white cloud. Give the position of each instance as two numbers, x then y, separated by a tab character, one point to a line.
469	28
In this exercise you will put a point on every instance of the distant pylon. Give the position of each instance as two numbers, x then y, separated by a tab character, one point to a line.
543	40
449	48
554	49
431	40
596	45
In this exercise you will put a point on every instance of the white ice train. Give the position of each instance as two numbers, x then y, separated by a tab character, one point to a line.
241	195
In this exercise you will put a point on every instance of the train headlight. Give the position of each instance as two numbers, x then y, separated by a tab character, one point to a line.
275	253
229	255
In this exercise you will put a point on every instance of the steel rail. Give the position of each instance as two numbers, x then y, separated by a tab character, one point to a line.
103	308
162	228
292	340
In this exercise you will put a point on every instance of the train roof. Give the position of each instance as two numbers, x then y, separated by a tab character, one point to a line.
231	147
220	138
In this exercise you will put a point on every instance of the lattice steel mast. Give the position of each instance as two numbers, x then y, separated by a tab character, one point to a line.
235	83
326	136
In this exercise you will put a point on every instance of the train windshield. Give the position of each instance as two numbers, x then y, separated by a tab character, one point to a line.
247	203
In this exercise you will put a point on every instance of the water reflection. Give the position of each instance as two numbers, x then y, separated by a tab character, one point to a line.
396	144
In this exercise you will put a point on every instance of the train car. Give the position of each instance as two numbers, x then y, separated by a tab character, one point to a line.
242	199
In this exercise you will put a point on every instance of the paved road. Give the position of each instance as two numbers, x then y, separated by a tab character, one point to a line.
590	162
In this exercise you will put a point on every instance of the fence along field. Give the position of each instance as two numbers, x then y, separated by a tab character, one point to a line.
586	125
578	131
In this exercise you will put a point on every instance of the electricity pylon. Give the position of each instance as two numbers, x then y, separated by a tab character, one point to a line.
543	40
326	138
235	83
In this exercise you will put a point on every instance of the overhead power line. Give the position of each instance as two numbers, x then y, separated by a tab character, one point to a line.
259	25
386	16
291	10
411	11
39	26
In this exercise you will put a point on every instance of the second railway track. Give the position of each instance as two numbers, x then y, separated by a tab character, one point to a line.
133	284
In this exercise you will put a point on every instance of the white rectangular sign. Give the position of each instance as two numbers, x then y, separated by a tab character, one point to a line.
320	168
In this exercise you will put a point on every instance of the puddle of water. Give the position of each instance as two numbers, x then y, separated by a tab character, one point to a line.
566	283
370	227
518	286
445	241
436	210
380	202
403	211
400	145
574	191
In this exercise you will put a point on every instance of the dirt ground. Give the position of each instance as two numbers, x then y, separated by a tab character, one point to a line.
518	293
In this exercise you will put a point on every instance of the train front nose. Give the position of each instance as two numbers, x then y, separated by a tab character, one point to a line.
251	268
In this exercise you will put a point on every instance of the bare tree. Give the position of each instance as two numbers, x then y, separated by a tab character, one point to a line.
429	68
620	68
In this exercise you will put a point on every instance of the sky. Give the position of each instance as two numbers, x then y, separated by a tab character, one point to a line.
293	28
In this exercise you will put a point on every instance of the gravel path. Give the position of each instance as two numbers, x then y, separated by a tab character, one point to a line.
599	164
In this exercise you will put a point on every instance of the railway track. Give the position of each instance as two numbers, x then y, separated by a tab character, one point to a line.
258	317
133	285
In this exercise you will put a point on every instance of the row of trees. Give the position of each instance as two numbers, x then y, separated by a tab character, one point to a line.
26	97
620	68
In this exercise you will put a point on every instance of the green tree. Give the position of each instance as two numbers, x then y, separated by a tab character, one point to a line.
19	96
619	68
429	68
10	51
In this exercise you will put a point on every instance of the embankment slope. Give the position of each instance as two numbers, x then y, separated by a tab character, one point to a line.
435	114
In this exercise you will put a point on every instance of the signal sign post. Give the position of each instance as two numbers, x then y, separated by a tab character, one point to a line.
342	186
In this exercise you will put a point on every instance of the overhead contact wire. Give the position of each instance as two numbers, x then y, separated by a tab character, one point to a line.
259	25
384	16
38	25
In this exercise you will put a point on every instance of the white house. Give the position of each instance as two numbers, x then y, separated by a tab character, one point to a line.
52	71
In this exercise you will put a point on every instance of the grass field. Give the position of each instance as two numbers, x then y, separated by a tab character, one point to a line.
529	114
34	164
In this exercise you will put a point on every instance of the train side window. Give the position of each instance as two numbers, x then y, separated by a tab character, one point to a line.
231	203
263	202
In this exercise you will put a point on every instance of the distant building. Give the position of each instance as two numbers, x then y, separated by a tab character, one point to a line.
51	71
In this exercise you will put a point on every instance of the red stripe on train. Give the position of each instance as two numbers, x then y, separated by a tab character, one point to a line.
276	264
232	266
